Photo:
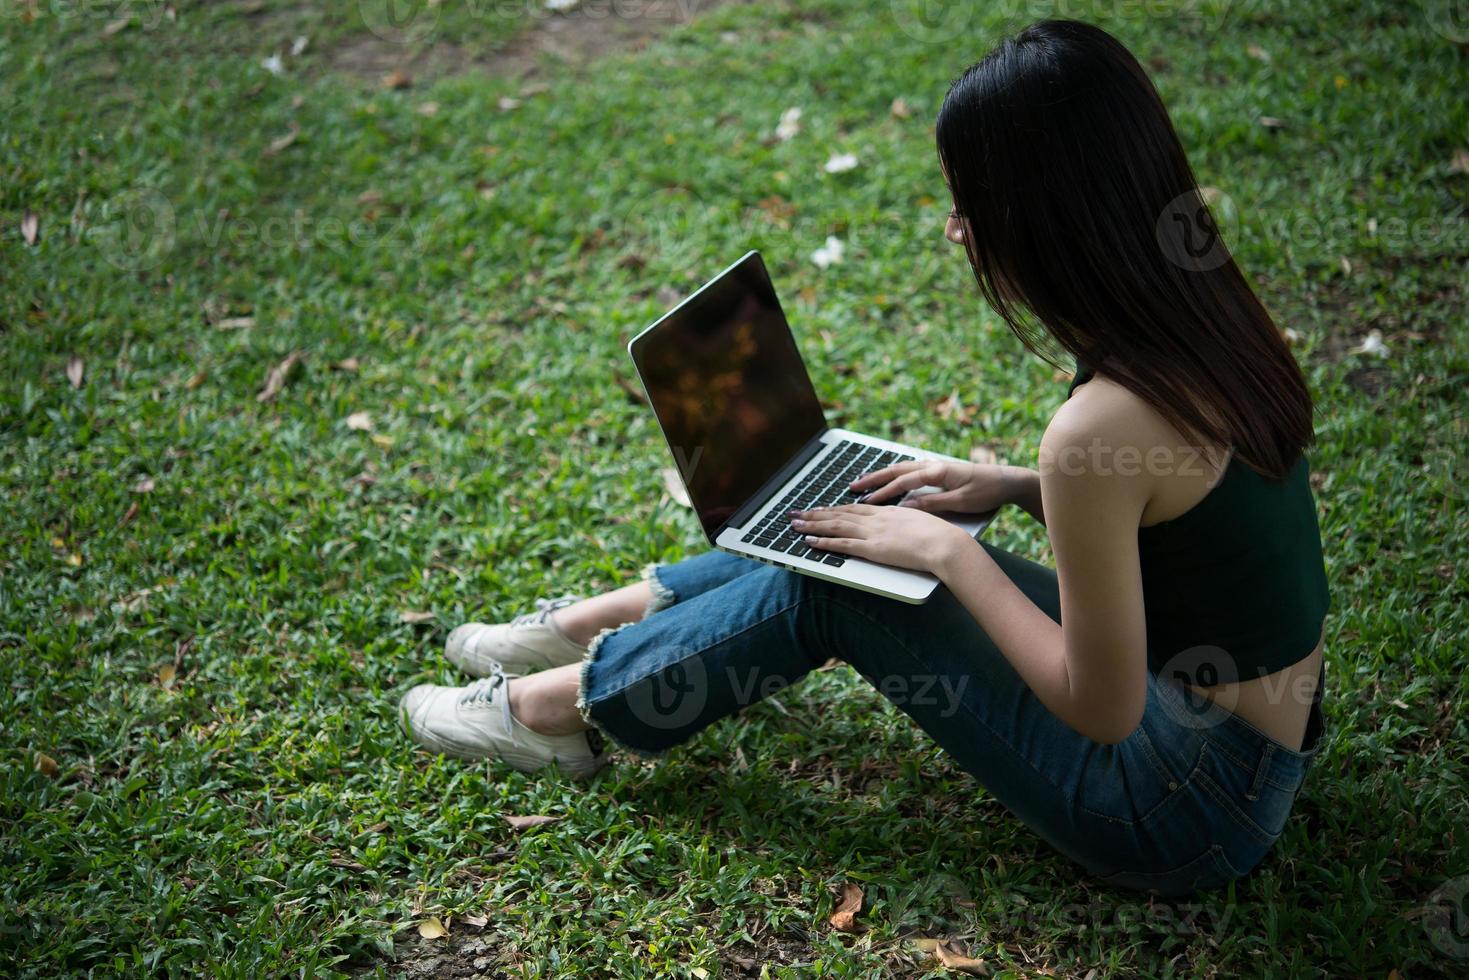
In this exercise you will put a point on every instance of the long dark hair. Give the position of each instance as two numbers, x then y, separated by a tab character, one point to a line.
1082	213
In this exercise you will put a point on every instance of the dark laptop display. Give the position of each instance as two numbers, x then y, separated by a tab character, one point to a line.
728	386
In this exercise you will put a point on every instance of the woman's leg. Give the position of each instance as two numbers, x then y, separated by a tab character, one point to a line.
661	586
653	685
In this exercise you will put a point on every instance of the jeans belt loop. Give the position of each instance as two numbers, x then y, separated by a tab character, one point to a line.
1264	765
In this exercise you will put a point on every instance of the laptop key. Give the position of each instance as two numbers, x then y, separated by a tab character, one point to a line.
748	538
833	560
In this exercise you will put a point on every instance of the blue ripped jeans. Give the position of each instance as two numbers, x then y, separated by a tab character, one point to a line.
1192	798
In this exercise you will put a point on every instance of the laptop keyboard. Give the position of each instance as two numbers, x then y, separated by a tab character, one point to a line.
827	485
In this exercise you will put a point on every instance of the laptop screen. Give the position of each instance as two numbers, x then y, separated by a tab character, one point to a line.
730	391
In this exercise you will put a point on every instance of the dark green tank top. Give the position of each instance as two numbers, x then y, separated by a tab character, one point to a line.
1237	584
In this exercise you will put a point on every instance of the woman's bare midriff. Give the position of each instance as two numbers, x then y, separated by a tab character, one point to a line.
1278	704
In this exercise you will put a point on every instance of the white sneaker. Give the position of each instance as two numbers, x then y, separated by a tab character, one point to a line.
475	722
526	643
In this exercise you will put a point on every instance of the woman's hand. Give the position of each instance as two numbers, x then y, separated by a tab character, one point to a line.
900	536
965	488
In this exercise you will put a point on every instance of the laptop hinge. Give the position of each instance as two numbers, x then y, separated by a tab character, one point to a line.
762	496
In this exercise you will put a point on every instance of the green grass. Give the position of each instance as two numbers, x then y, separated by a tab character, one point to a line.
261	814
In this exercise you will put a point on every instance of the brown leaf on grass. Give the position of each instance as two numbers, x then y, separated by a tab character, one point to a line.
76	371
527	822
235	323
281	142
196	379
397	79
348	364
46	766
633	392
1272	122
1257	52
132	512
360	421
414	618
954	960
276	379
167	674
30	226
1460	162
432	928
478	921
145	485
952	409
428	109
900	109
844	917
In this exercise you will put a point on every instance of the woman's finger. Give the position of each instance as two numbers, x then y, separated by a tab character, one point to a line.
877	477
947	500
842	546
928	474
831	527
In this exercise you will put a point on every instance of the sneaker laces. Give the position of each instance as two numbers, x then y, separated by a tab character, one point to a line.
482	691
543	611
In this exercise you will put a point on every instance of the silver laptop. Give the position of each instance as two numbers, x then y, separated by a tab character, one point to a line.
748	435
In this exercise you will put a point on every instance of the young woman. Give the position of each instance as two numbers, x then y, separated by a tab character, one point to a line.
1152	705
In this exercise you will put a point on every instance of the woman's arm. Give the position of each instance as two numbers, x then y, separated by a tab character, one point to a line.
1026	492
1090	671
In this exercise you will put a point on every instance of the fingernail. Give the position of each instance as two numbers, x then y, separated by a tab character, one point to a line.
863	499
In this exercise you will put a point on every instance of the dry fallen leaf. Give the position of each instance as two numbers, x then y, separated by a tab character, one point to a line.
349	364
76	370
276	379
478	921
385	442
116	26
132	512
415	617
281	142
508	103
360	421
844	917
167	674
196	379
145	485
1257	52
1271	122
958	961
1460	162
428	109
235	323
432	928
30	225
900	109
525	823
46	766
397	79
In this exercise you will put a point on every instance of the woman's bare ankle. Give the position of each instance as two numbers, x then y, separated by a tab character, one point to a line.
582	621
